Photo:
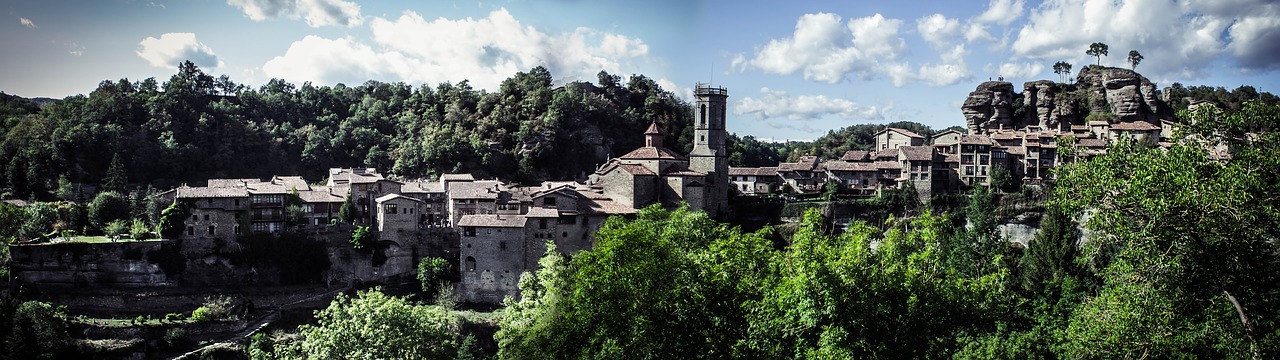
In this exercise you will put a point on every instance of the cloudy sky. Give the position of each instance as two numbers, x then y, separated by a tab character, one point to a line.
794	69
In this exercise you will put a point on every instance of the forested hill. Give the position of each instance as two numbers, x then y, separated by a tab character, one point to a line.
195	126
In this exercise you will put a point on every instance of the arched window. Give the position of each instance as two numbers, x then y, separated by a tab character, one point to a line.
703	112
471	263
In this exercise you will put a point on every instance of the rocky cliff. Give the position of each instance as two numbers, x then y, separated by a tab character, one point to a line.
1050	105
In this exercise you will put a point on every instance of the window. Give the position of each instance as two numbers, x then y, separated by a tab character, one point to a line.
984	159
502	245
206	217
468	231
542	223
568	220
968	170
703	112
549	201
391	209
471	263
564	234
237	202
211	232
191	231
237	228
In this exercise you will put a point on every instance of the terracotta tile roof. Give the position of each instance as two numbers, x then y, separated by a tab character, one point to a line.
1006	135
649	153
901	131
322	194
836	165
542	212
353	176
1134	126
212	192
975	139
951	158
753	171
681	170
492	220
805	163
269	189
653	129
1099	123
1079	128
474	190
231	182
1092	143
635	169
422	187
598	204
1016	150
916	153
885	154
855	155
888	165
457	177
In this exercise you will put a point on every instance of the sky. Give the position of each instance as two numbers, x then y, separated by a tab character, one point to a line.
794	69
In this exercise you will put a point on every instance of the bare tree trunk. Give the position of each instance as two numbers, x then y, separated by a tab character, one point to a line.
1244	319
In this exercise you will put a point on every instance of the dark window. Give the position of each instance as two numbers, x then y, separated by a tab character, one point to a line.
549	201
564	234
542	223
211	230
191	231
206	217
502	245
471	263
468	231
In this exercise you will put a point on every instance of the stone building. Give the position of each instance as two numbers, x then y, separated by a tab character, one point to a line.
892	138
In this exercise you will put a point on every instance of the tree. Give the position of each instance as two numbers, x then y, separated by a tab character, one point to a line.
39	220
378	326
1097	50
1063	69
434	273
108	206
171	219
1134	59
348	209
39	331
361	237
1184	242
117	179
1000	177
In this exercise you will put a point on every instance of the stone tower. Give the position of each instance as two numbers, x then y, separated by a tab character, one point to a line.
710	154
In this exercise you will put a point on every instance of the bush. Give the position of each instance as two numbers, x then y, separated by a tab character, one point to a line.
175	337
114	228
361	237
107	207
173	317
139	230
433	273
215	308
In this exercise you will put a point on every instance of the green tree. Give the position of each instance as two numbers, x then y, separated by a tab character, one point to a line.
1063	69
108	206
433	274
1001	179
117	178
172	218
378	326
1184	242
38	331
66	191
39	220
361	237
139	230
1097	50
348	211
1134	59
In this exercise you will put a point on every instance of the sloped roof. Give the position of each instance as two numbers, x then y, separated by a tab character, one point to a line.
916	153
653	129
849	166
389	197
901	131
885	154
753	171
212	192
598	204
975	139
231	182
422	187
1134	126
855	155
457	177
805	163
492	220
322	194
353	176
681	170
888	165
1092	143
634	169
474	190
542	212
652	153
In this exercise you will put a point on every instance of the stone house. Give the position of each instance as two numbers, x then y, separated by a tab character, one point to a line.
754	181
892	138
803	176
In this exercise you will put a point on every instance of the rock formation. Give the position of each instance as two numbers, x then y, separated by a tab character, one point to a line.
1053	106
989	107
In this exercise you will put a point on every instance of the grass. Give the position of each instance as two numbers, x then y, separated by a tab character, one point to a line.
124	323
91	240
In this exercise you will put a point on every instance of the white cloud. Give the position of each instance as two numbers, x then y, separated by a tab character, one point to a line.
27	22
484	51
780	104
1179	40
1002	12
685	93
825	51
1024	70
976	31
75	49
316	13
938	30
172	48
950	70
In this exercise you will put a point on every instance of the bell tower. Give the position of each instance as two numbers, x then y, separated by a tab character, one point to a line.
710	154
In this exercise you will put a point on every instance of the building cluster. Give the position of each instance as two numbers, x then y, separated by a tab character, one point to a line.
502	228
949	162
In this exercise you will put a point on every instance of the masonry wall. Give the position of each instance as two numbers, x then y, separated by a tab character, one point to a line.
491	262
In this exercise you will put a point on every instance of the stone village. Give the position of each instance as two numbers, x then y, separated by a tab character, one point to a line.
499	230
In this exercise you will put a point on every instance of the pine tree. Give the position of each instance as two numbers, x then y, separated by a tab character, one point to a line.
116	179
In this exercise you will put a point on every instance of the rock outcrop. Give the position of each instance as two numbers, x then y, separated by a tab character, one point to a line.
1053	106
989	107
1128	94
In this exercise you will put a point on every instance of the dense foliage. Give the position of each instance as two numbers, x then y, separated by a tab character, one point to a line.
372	325
1182	262
194	126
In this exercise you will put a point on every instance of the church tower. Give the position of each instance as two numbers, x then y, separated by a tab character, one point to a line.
710	154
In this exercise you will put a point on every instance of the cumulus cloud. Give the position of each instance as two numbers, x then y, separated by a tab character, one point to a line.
1179	41
780	104
316	13
977	31
485	51
170	49
823	50
1002	12
938	30
27	22
1020	70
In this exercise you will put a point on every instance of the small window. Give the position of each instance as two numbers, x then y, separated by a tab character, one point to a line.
549	201
542	223
564	234
211	232
471	263
206	217
502	245
191	231
391	209
237	202
237	229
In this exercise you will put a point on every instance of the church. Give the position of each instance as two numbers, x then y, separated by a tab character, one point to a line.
654	174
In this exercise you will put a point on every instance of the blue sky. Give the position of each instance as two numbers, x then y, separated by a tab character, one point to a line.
794	69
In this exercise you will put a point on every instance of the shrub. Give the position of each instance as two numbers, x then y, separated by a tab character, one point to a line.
139	230
361	237
109	206
175	337
434	273
173	317
215	308
113	228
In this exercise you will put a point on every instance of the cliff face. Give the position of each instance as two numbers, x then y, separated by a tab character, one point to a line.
1050	105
